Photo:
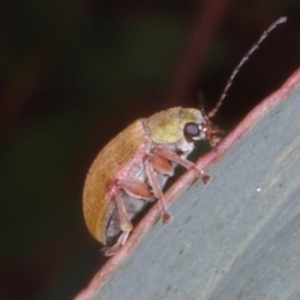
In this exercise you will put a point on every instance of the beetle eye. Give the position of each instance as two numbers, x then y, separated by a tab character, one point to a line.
192	130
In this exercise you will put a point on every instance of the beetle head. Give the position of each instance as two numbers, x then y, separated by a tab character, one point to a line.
204	130
181	127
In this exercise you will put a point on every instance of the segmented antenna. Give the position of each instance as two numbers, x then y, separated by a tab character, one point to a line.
212	113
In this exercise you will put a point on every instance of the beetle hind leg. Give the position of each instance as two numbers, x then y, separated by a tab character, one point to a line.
132	188
125	226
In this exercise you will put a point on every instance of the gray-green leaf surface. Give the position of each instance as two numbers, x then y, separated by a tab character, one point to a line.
236	238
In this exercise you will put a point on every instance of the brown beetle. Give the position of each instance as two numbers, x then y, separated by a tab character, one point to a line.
132	169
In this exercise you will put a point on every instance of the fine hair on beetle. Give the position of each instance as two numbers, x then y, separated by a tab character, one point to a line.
132	170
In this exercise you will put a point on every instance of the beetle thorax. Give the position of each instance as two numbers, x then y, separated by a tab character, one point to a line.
182	147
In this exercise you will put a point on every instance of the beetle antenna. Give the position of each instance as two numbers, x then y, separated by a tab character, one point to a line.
213	112
200	97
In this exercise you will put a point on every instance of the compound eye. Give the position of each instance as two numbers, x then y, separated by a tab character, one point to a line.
192	131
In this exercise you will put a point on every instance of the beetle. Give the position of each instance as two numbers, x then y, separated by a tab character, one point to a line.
131	171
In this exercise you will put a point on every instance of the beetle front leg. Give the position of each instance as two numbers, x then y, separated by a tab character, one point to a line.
173	156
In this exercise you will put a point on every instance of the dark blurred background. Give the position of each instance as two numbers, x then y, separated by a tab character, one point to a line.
74	73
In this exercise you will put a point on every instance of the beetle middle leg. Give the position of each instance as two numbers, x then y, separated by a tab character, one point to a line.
134	188
161	165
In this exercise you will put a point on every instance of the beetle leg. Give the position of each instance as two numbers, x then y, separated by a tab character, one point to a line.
173	156
158	193
110	251
161	164
135	188
125	223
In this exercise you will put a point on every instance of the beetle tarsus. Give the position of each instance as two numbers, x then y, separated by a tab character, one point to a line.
200	173
166	218
112	250
205	178
109	251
